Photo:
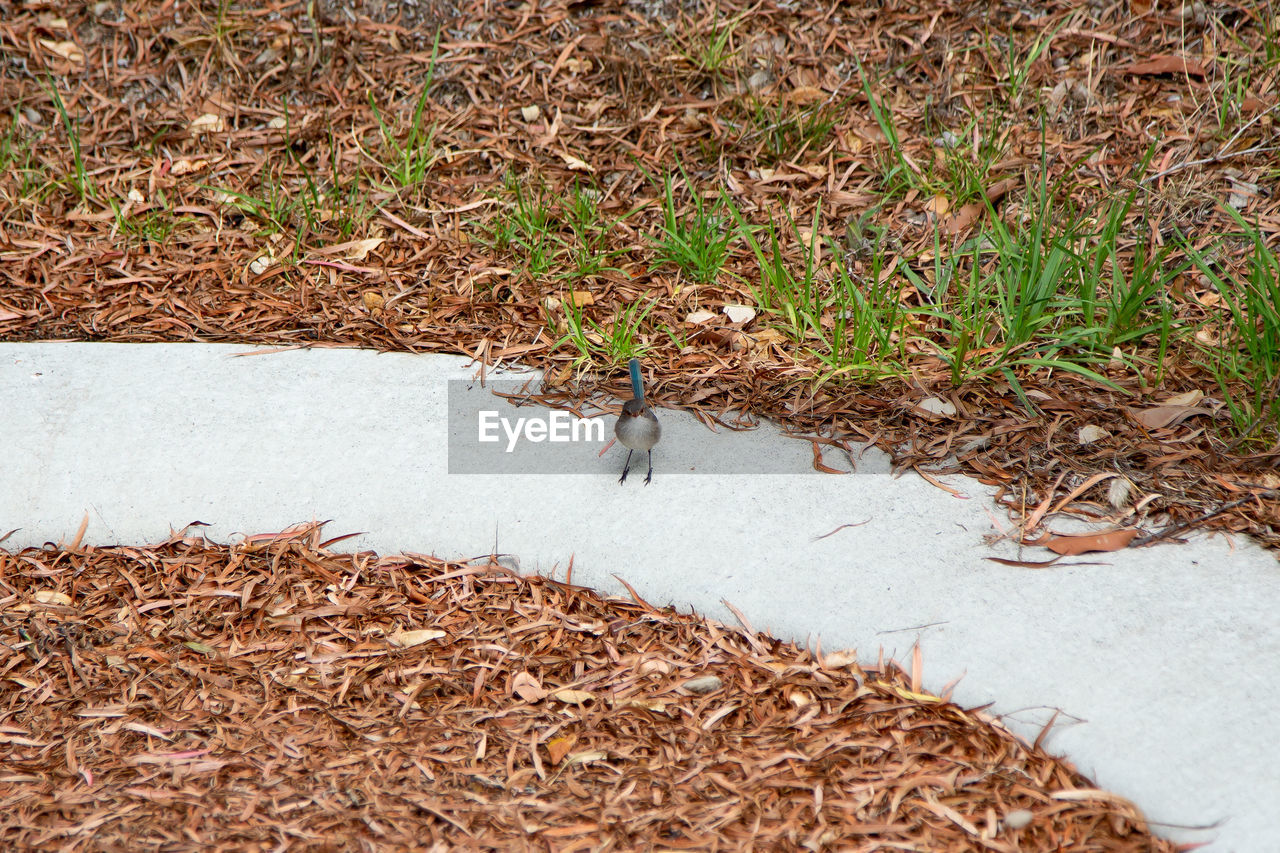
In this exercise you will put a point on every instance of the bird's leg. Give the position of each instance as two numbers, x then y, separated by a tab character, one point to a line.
649	476
626	468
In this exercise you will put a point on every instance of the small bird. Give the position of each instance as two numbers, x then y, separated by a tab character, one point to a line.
637	427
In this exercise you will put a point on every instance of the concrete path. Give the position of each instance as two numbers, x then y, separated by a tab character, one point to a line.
1164	662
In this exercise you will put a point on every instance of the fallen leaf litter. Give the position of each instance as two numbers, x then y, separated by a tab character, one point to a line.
269	694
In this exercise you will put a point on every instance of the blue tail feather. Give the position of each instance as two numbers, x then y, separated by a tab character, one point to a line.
637	388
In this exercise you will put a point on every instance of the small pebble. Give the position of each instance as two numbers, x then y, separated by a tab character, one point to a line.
261	264
704	684
1017	819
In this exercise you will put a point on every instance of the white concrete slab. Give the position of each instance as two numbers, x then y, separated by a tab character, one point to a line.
1163	661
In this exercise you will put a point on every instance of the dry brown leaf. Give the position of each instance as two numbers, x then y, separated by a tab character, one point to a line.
805	95
839	659
799	699
558	748
1252	104
573	697
358	250
1188	398
1159	417
1166	65
1089	433
185	166
1071	545
68	50
651	666
206	123
657	706
817	171
1024	564
576	164
963	218
527	687
406	639
766	338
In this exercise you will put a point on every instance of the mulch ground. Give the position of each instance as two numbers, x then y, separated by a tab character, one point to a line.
273	695
178	108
